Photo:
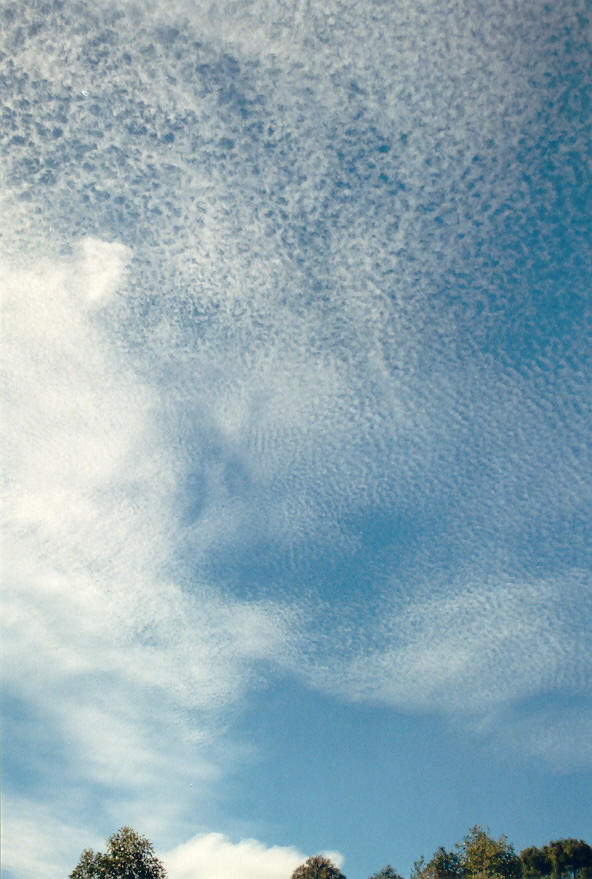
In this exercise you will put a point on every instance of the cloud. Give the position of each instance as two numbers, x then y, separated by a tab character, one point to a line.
110	654
293	316
37	842
213	856
557	736
103	263
472	649
280	345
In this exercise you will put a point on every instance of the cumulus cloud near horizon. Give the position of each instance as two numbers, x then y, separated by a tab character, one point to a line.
38	841
214	856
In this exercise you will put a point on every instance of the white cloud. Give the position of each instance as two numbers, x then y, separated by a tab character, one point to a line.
470	649
295	409
103	265
261	235
213	856
37	841
111	654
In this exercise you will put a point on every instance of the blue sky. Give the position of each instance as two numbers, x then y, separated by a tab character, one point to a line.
296	333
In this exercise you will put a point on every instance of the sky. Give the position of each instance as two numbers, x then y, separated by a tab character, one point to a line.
296	407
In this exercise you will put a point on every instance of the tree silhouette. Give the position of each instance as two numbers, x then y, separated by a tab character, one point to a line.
317	867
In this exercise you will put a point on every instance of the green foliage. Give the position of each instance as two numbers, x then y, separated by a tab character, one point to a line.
387	872
443	865
131	856
561	859
536	862
576	857
477	857
418	868
317	867
446	865
485	858
128	856
89	866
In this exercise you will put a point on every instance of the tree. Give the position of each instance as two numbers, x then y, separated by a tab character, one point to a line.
569	857
89	866
485	858
536	862
128	856
579	858
387	872
443	865
317	867
477	857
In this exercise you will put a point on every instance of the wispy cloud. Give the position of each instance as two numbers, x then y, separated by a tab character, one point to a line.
471	649
558	737
111	653
36	841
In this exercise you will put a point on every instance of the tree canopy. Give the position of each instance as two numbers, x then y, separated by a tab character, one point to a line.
387	872
560	859
128	856
478	856
443	865
483	857
317	867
